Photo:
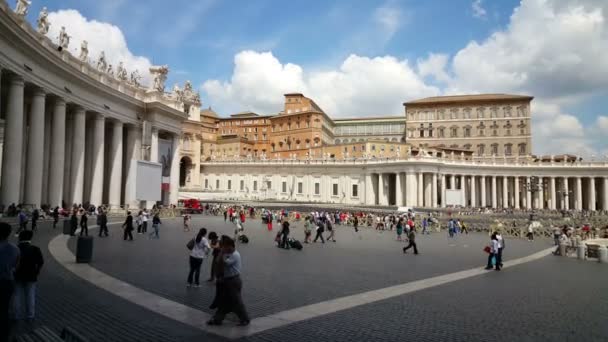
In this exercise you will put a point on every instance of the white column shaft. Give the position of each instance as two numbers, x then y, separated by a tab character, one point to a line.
13	143
605	195
420	189
57	157
35	150
566	194
473	192
78	144
528	194
114	189
553	203
579	194
154	146
381	191
452	182
505	192
98	160
516	190
443	188
133	153
174	185
483	191
398	190
494	192
591	205
541	193
368	189
434	190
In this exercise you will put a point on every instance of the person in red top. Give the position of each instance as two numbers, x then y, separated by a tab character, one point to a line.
242	216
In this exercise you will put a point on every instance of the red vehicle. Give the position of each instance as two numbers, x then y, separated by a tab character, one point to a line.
193	206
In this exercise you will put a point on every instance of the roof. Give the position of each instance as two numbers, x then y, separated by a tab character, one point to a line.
245	114
400	117
468	98
209	112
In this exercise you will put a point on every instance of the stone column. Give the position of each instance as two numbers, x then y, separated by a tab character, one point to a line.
133	154
494	192
35	150
368	189
420	193
452	182
528	194
115	187
483	191
553	203
13	143
605	195
566	195
591	194
443	202
398	190
434	190
541	193
473	192
57	157
67	167
380	189
174	185
505	192
579	194
77	164
98	160
516	190
154	145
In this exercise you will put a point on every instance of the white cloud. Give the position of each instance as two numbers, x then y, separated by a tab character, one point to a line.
434	65
100	36
389	18
551	49
360	86
478	10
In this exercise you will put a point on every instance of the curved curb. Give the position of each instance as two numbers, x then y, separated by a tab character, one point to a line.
58	248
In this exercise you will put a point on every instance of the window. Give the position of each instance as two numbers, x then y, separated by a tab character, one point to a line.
454	114
494	149
242	185
442	132
467	113
522	149
300	187
481	113
493	112
507	149
206	184
454	132
507	111
494	132
521	111
355	190
334	189
467	132
255	185
217	184
317	188
229	184
481	150
269	184
373	147
284	187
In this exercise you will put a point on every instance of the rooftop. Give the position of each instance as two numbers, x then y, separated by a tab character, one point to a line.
468	98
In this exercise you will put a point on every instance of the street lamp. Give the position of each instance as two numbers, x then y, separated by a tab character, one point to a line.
533	186
565	194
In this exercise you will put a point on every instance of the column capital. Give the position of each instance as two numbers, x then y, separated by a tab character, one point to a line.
16	79
60	101
38	91
99	116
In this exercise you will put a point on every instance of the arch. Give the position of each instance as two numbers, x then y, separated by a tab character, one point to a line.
185	169
337	141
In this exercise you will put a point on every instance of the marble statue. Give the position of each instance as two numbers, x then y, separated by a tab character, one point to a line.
110	71
101	62
159	76
64	38
135	78
121	72
177	94
84	51
22	7
43	21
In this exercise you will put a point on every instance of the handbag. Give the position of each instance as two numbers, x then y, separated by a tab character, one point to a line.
190	244
487	249
493	261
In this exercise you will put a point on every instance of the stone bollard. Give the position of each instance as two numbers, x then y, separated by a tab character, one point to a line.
562	249
581	249
602	254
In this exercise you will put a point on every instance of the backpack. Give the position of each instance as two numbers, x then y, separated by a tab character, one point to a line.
190	244
243	239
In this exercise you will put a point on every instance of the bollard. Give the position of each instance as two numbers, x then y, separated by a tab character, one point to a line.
562	249
602	254
581	249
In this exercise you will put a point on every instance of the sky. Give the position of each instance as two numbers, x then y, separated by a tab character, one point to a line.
365	58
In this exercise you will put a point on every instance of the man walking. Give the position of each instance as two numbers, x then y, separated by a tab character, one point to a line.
22	221
356	223
102	222
26	276
55	217
35	217
231	285
128	227
411	235
84	226
73	222
155	226
9	259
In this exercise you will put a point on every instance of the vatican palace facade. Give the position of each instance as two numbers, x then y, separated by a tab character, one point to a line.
74	130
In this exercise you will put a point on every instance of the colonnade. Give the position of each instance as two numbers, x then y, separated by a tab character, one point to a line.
56	151
434	189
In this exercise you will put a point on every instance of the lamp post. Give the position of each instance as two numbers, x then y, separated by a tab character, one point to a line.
533	186
564	194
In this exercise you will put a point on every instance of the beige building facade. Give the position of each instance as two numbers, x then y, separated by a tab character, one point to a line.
489	124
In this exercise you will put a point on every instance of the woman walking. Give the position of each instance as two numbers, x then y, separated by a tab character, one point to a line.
330	229
320	230
200	249
493	256
84	227
155	227
269	220
139	222
399	229
307	231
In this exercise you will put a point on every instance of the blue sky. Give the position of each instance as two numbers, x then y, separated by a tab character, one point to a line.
360	58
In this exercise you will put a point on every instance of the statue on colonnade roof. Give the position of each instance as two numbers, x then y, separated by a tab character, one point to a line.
43	21
84	51
22	7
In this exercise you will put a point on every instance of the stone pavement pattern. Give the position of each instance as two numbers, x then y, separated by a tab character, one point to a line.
545	300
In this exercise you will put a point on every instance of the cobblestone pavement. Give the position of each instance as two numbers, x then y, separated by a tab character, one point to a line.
277	279
553	299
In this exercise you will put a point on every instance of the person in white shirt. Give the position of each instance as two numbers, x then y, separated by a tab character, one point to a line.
145	216
200	249
501	246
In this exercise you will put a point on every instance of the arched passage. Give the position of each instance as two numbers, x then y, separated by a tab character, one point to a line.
185	169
